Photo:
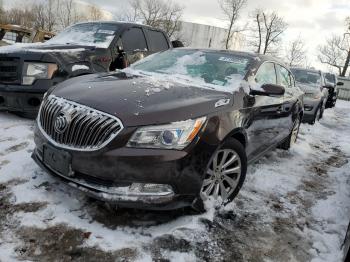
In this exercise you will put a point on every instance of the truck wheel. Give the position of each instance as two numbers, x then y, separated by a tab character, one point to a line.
225	172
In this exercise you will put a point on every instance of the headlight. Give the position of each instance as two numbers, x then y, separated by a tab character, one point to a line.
34	71
176	135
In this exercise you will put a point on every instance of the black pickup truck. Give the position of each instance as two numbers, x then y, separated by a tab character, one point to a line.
27	71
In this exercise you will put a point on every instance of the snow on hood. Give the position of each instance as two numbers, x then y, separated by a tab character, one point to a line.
34	48
80	67
308	89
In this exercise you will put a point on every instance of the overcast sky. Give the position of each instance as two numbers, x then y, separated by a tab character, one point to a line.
314	20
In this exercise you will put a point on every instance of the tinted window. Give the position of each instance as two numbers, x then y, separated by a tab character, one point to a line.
134	39
285	77
266	74
158	42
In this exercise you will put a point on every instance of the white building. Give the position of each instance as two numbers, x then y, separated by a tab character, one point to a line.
206	36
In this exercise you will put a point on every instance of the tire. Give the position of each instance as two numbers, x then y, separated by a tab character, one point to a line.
293	136
316	116
225	173
321	112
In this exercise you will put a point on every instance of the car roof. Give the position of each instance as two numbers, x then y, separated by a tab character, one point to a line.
256	56
306	69
120	23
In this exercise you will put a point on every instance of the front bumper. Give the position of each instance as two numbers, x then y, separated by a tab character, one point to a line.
23	99
23	102
108	174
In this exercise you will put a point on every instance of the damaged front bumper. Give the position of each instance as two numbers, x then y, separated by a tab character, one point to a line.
135	195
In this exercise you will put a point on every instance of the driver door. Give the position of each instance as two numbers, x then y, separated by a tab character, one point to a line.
265	120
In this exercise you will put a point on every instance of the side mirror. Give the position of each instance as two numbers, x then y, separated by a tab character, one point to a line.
269	90
340	84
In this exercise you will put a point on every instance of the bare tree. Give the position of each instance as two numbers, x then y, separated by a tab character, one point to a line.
19	16
336	50
50	14
94	13
267	29
231	9
162	14
295	53
67	13
333	53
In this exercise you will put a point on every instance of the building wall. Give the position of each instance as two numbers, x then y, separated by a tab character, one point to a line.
344	91
206	36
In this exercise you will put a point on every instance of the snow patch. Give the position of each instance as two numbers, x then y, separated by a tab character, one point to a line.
80	67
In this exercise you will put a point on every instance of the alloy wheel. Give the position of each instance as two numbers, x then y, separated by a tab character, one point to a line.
222	176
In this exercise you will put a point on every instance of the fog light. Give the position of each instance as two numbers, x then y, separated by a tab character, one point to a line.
34	102
151	188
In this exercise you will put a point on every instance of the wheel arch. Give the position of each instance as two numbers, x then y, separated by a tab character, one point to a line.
239	134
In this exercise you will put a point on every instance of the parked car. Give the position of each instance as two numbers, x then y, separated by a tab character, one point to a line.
312	83
174	129
332	83
27	72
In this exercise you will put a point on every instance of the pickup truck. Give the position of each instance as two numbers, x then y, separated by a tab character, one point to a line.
27	71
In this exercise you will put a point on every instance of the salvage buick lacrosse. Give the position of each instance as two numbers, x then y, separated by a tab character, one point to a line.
171	131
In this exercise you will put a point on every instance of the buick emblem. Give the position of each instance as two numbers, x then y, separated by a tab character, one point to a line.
62	122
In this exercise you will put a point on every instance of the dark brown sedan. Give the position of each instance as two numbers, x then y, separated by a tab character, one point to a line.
175	129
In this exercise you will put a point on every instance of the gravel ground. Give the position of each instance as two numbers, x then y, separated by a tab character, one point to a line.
294	206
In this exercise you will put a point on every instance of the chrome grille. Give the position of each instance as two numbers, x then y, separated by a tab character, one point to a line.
74	126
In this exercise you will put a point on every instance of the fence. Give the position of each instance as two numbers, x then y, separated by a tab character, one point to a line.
344	91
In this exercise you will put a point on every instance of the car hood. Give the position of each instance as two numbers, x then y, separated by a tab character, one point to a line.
138	101
309	89
65	55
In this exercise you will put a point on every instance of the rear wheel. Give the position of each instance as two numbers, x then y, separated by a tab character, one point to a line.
321	112
225	173
293	136
317	116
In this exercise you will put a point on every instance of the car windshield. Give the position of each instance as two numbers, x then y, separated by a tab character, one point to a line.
206	67
307	77
91	34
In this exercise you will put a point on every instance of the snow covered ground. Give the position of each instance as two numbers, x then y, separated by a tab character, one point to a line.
294	206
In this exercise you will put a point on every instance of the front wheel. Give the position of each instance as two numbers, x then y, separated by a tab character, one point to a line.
225	173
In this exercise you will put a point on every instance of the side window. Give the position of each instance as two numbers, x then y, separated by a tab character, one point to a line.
157	41
285	77
134	39
266	74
